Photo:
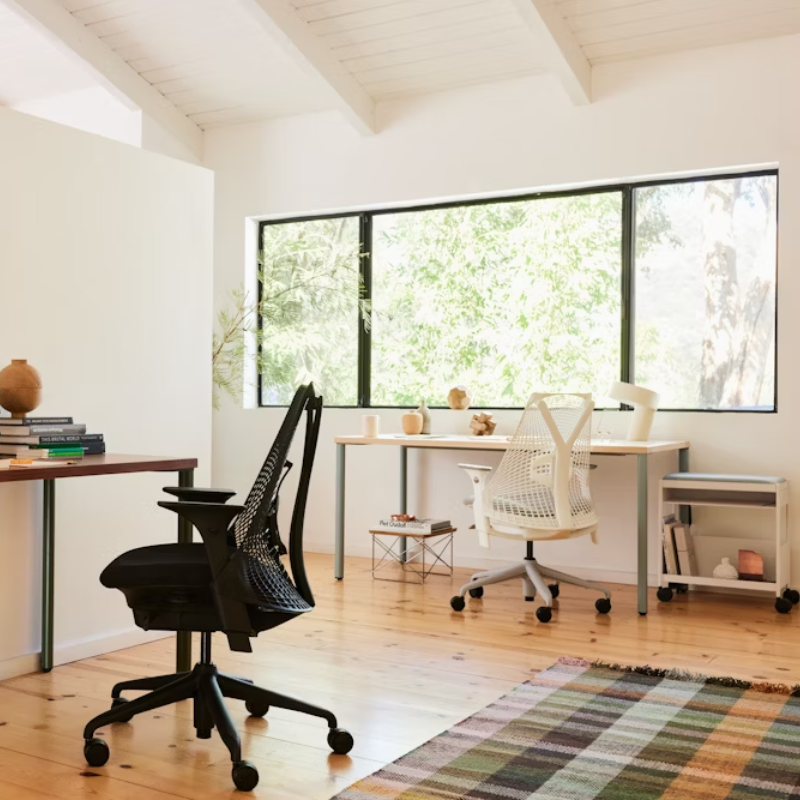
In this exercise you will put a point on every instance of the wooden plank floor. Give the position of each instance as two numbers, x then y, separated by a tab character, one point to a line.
390	659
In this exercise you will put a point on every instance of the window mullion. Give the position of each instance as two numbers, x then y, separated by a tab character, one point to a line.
365	326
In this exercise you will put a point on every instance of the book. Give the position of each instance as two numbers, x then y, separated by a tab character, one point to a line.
20	451
684	545
68	438
36	421
415	526
670	553
39	430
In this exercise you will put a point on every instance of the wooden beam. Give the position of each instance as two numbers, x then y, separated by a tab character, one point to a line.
312	54
558	49
71	37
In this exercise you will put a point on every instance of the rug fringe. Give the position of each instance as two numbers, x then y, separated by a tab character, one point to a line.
686	675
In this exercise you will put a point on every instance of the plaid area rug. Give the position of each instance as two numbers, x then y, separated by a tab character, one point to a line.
583	732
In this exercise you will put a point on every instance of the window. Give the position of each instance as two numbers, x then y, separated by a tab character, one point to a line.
500	297
705	293
671	285
309	309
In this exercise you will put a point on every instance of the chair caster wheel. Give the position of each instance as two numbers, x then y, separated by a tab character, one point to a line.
476	593
245	776
554	590
256	708
603	605
664	594
793	596
458	603
96	752
340	741
544	614
121	701
783	606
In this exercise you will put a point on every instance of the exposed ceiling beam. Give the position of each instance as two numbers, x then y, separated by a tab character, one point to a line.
311	53
558	50
71	37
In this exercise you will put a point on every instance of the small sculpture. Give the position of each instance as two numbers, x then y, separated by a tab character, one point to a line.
426	416
726	571
482	424
412	423
458	398
20	388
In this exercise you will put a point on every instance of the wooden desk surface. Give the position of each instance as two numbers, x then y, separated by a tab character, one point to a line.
619	447
109	464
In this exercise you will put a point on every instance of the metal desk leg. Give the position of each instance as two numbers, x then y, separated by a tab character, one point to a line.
684	512
183	654
403	497
641	523
48	572
338	566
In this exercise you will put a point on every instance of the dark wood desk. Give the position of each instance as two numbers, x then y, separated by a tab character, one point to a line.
95	465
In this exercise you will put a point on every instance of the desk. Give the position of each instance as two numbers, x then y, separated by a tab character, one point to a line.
600	447
94	465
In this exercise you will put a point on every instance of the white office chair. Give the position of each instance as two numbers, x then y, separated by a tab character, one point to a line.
539	492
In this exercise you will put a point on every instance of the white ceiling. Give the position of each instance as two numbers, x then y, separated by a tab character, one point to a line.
30	67
222	62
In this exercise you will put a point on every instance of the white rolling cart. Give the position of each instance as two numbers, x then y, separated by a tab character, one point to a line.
682	490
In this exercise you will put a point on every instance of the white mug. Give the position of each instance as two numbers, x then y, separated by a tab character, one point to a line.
370	425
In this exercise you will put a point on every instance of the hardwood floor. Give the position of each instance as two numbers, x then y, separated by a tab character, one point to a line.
389	659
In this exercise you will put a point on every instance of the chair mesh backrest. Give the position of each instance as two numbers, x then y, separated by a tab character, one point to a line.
267	584
543	480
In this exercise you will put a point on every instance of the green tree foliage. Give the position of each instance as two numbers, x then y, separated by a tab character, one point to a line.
504	298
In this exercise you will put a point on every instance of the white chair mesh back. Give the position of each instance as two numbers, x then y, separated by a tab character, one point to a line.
524	490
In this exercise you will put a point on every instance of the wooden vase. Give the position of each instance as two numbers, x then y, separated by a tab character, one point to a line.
412	423
20	388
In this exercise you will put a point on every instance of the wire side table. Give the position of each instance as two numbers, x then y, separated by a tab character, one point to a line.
429	557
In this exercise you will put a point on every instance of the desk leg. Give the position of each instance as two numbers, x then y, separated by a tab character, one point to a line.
338	562
403	497
48	572
641	523
684	512
183	654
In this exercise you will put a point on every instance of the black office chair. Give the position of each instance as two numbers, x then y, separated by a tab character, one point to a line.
233	582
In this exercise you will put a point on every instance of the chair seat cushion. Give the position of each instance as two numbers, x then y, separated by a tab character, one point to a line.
161	565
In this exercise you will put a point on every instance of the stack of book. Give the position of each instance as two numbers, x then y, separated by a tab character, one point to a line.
47	437
412	525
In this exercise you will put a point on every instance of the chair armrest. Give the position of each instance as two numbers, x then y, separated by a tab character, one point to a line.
479	475
480	467
208	518
199	495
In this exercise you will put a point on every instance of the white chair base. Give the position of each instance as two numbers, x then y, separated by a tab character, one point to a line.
534	581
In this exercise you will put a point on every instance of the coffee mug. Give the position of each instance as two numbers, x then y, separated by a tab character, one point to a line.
370	425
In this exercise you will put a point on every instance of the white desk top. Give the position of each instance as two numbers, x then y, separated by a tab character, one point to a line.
620	447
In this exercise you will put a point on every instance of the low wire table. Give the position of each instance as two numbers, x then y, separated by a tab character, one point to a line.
427	558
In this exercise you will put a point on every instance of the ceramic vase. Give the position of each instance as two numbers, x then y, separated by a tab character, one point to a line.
726	571
426	416
412	423
20	388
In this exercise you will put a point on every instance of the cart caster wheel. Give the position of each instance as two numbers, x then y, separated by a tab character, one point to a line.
96	752
458	603
245	776
121	701
603	605
529	599
476	593
544	614
256	708
555	591
783	606
793	596
682	589
664	594
340	741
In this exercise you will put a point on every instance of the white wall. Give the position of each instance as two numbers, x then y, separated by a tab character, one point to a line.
700	111
105	258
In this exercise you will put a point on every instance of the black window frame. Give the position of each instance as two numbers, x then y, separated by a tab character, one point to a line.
627	276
